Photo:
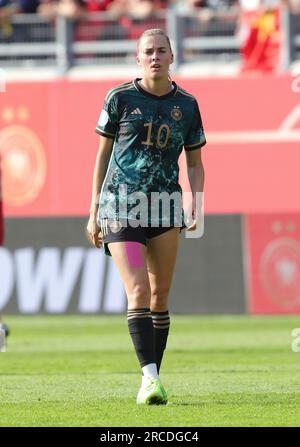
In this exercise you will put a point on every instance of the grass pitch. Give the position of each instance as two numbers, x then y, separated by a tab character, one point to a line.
82	371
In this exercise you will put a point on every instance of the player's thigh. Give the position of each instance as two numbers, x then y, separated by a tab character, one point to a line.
161	260
130	260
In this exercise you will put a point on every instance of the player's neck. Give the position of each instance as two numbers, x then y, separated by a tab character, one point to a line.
156	87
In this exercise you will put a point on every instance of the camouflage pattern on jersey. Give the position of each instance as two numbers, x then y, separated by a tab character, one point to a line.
149	134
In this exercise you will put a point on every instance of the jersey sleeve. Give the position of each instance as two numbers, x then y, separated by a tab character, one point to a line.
195	137
108	119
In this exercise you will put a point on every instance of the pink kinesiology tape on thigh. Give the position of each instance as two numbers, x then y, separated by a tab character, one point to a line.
134	254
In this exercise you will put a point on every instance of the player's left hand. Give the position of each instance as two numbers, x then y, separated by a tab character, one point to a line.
192	227
191	221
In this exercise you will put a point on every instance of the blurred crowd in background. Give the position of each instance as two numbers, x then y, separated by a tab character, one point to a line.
137	8
140	9
256	23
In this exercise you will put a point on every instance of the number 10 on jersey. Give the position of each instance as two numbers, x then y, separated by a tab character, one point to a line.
161	139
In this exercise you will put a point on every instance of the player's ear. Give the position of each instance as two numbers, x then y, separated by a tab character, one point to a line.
138	60
172	58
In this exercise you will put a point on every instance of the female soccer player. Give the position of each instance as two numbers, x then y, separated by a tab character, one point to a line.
143	127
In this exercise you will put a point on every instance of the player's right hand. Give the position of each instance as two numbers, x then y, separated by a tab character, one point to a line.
94	232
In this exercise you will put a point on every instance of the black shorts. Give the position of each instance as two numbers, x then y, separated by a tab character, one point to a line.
113	231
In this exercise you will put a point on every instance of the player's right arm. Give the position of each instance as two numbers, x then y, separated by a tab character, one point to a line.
102	161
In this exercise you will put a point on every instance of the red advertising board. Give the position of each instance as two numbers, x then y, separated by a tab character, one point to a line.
273	263
48	144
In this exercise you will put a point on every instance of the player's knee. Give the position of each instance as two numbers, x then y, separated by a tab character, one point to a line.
139	296
159	299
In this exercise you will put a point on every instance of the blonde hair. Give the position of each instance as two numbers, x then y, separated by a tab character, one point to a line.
154	32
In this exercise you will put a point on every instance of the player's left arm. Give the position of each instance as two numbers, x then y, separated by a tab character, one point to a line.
194	141
195	171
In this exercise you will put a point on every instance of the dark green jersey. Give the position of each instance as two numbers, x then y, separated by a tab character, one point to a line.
149	134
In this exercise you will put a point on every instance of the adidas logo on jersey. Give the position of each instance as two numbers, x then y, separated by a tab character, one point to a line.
136	112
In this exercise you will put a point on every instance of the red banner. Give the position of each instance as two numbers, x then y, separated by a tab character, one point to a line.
273	264
48	145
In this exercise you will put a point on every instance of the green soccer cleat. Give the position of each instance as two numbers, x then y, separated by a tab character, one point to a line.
153	393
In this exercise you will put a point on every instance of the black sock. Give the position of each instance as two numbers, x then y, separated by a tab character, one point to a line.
161	325
141	330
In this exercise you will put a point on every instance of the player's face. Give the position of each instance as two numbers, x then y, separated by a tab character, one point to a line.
155	57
